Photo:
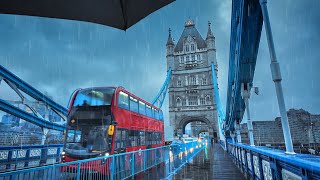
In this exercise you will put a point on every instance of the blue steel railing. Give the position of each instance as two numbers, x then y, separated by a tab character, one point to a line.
20	157
117	166
11	109
221	116
159	99
19	85
266	163
31	91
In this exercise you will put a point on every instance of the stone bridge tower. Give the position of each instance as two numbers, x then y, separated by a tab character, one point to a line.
191	94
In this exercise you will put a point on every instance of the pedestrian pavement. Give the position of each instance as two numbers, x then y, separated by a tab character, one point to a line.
211	163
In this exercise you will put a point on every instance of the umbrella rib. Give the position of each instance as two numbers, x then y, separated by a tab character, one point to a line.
123	14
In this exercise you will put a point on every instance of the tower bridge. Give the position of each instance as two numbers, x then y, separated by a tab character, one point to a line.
193	92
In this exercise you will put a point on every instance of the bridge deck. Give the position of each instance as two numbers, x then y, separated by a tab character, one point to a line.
211	163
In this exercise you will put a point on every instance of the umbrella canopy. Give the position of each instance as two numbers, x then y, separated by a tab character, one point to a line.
120	14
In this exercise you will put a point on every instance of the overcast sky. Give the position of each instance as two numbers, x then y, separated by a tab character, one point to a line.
59	56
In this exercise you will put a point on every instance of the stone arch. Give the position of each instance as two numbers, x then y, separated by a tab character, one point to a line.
180	129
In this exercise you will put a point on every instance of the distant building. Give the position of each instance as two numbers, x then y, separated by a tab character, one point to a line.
198	127
10	120
304	127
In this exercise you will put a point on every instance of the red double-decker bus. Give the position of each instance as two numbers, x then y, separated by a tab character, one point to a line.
93	112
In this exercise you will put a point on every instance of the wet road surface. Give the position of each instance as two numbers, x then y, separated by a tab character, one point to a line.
211	163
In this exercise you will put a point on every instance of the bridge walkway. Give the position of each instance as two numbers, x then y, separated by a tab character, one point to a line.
211	163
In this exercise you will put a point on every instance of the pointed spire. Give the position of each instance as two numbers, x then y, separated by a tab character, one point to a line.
209	34
189	23
170	40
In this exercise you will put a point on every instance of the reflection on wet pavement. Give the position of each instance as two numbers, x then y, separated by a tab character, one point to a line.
211	163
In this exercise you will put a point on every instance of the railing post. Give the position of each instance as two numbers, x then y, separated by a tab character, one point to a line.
155	157
144	160
78	171
276	76
112	168
132	165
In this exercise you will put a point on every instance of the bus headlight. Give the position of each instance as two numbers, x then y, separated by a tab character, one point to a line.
63	153
106	154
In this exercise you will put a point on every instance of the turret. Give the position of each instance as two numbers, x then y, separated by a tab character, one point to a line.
170	50
210	38
170	44
211	47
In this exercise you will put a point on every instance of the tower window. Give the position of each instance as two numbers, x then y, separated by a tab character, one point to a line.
187	48
179	83
202	101
198	56
192	47
208	101
183	102
181	60
193	57
187	59
193	100
204	81
193	80
178	101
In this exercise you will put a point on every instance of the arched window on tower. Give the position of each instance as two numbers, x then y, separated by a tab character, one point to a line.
208	100
192	47
187	48
178	101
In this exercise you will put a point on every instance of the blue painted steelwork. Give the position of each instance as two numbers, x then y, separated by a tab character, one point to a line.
7	107
117	166
163	91
246	26
25	87
19	157
221	115
266	163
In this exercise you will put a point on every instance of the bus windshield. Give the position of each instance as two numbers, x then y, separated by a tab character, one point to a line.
87	141
94	97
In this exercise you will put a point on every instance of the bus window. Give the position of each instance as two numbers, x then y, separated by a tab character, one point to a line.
94	97
142	108
156	114
123	138
142	138
134	105
160	115
153	113
123	100
148	111
133	138
154	138
118	139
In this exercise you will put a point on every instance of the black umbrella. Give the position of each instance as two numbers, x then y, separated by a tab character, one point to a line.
120	14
